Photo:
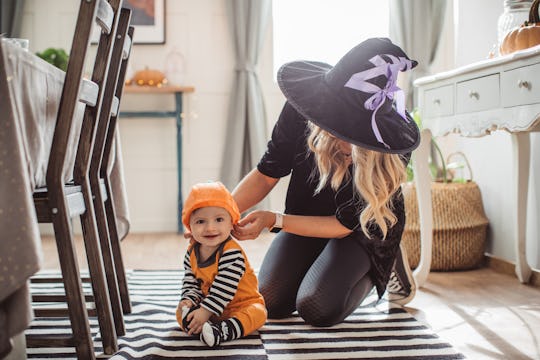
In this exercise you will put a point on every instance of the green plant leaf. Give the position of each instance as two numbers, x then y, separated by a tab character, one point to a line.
56	57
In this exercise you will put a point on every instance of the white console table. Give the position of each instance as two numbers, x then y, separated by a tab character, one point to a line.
496	94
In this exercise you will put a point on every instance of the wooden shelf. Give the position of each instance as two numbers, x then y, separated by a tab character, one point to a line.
167	89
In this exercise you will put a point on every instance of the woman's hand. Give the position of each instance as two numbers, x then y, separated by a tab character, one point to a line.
251	226
196	320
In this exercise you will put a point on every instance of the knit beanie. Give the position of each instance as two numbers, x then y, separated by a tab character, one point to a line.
209	194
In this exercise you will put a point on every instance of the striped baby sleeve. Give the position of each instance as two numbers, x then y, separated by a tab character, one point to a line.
190	286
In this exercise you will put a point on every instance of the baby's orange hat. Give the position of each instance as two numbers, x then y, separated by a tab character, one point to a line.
209	194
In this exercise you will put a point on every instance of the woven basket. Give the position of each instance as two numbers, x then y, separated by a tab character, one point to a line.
459	226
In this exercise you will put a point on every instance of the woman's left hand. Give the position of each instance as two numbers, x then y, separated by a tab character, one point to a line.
251	226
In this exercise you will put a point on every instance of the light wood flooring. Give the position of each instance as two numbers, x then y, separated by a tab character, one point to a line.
482	313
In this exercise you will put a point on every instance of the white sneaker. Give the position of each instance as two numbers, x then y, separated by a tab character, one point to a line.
210	334
401	287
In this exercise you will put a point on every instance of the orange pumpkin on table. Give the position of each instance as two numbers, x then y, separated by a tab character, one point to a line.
149	77
525	36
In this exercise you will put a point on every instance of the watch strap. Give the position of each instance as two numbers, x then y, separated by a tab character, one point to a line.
278	224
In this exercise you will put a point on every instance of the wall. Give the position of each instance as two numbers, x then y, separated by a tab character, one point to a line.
491	156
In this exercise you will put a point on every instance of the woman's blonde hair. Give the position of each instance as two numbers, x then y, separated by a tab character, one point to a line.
377	176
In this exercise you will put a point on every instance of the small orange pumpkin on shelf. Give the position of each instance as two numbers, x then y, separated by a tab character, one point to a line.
525	36
149	77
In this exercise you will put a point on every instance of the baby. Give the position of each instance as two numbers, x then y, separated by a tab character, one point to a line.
220	296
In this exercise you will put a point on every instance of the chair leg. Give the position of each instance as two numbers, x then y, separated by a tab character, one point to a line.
116	249
98	278
72	283
108	259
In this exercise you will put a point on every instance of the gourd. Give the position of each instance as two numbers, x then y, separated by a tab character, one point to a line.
149	77
525	36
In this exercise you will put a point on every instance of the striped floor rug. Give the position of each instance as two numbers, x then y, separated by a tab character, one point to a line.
374	331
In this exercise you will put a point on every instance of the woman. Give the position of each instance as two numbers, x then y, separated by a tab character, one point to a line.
345	138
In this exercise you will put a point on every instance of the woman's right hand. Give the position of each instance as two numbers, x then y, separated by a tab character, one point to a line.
251	226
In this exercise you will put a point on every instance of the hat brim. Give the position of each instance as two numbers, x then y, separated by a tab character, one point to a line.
303	84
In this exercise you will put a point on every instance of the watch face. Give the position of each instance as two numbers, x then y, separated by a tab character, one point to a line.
275	229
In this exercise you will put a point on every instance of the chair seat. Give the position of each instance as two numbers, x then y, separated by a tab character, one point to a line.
74	197
70	188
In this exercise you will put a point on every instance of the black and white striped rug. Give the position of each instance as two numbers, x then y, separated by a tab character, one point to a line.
374	331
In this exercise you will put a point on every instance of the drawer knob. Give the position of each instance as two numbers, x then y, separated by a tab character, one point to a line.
524	84
474	94
437	102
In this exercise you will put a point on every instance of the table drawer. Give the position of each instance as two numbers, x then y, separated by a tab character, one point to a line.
439	101
521	86
478	94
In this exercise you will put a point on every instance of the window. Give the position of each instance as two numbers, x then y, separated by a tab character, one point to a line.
324	30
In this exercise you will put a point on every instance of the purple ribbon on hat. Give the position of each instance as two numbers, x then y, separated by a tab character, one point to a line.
358	81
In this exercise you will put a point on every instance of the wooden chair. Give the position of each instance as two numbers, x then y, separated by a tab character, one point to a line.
91	140
99	174
59	202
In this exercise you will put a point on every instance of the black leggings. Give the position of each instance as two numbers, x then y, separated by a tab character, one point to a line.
324	279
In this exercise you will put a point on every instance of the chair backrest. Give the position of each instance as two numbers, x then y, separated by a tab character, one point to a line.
91	12
115	111
92	114
111	102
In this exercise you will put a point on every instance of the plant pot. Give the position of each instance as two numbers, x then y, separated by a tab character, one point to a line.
459	226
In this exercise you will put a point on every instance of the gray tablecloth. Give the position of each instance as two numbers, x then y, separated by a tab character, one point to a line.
30	90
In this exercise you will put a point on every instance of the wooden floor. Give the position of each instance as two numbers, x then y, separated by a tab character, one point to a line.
482	313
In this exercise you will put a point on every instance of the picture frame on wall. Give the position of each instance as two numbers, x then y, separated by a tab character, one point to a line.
148	18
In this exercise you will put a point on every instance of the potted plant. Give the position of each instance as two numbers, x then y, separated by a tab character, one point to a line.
57	57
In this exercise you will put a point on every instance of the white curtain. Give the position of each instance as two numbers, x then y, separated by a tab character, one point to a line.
11	17
246	123
416	26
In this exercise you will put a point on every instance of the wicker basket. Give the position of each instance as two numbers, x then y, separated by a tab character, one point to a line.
459	226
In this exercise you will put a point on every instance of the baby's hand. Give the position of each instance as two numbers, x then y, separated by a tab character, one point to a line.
186	302
197	319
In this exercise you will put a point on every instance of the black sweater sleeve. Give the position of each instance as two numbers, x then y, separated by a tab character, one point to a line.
278	160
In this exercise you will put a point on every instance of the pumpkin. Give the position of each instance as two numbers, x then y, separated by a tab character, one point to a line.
149	77
525	36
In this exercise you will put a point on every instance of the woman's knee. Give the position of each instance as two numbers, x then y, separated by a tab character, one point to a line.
321	306
279	302
317	311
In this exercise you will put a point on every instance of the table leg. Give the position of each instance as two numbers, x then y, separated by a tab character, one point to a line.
178	99
521	152
422	180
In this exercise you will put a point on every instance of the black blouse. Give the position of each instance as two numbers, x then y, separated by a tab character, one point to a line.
287	153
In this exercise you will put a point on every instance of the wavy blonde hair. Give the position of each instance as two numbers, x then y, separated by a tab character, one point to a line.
377	176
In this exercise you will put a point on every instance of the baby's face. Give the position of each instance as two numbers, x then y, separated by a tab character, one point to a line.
210	225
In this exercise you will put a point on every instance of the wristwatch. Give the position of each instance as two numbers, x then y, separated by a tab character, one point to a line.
278	225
